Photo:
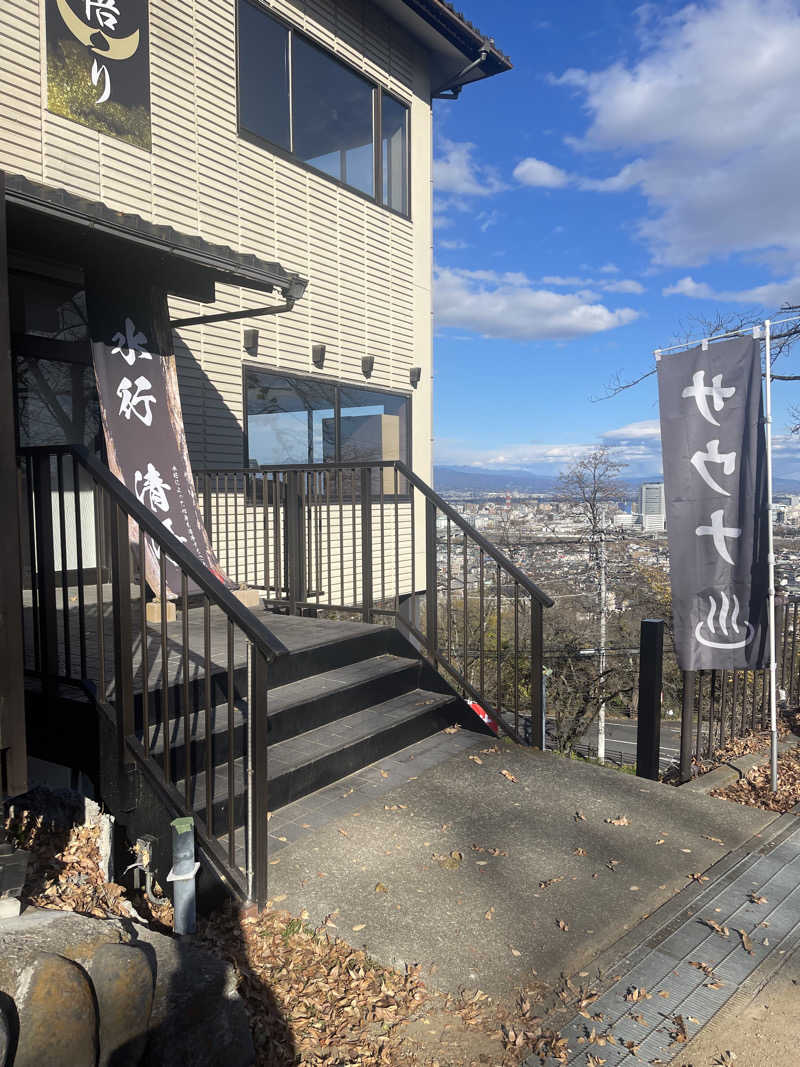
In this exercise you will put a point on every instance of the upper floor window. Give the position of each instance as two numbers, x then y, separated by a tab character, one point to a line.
301	99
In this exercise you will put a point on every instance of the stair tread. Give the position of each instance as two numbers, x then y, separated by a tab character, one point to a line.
303	691
308	747
297	752
197	726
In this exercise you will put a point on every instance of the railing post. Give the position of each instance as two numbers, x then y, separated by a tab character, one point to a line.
431	616
294	541
648	734
123	635
687	723
258	784
366	543
45	567
537	676
207	504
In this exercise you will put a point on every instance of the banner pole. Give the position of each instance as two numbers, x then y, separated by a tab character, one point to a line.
773	723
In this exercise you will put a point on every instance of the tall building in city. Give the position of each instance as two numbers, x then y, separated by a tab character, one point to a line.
652	507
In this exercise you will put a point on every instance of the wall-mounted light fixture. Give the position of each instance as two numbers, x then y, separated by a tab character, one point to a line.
414	376
367	363
250	341
318	355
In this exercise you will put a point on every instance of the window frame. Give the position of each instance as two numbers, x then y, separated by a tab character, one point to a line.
378	91
338	385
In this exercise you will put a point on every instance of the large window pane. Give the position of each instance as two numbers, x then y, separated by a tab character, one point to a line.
287	419
394	153
373	426
332	117
263	75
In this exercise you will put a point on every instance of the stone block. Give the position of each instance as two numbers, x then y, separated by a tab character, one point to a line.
123	979
57	1015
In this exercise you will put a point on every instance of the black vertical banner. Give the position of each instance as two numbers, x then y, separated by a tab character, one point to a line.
712	439
98	65
140	406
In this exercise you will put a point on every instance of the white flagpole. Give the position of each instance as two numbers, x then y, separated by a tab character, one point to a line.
773	666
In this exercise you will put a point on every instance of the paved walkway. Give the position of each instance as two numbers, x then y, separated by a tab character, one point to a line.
708	960
503	867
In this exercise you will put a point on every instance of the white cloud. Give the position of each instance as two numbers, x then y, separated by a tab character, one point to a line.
455	171
772	294
510	305
609	268
622	285
539	174
452	246
634	431
707	117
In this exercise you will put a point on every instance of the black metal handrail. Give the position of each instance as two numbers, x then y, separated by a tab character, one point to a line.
343	538
182	706
485	545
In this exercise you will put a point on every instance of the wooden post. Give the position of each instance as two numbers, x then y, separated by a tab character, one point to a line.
648	734
13	751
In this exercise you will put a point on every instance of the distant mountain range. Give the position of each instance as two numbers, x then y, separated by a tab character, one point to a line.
461	479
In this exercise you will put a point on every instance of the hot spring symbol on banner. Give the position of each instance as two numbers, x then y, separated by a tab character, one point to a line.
712	438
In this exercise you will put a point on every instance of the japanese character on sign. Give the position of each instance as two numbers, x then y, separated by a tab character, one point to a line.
712	454
137	403
151	485
129	345
701	392
104	12
157	547
719	533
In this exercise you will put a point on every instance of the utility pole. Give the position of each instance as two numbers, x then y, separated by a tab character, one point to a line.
601	717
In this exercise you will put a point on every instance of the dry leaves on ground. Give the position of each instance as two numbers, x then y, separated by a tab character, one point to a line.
509	776
620	820
755	789
64	872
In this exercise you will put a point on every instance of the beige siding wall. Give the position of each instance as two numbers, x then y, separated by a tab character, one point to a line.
369	271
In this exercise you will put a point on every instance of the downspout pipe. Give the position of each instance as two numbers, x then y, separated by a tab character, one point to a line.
455	84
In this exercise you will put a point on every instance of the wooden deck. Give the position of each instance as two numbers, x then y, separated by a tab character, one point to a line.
85	641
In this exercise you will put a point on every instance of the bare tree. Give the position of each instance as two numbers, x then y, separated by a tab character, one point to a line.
592	484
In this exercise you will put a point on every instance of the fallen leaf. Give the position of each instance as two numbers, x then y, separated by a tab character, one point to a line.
636	994
476	759
515	952
344	833
757	900
508	775
660	841
452	729
747	944
360	926
620	820
384	774
551	881
664	993
716	984
580	852
562	925
450	862
679	1035
579	816
697	877
716	840
686	850
489	915
381	888
723	930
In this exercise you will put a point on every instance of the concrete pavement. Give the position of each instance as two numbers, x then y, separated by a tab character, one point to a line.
505	880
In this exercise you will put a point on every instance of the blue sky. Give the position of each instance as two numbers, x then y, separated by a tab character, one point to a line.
637	168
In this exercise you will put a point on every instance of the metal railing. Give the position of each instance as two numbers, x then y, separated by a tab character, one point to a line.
720	706
373	539
186	695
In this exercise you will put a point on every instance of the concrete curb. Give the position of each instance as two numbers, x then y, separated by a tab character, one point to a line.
733	771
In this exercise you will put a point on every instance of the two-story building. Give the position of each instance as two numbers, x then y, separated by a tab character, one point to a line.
215	281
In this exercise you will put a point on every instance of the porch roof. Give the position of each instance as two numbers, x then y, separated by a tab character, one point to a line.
82	223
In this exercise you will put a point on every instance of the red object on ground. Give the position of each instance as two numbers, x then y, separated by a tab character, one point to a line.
483	715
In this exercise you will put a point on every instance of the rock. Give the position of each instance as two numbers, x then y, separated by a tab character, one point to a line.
65	933
57	1015
123	981
9	1028
198	1017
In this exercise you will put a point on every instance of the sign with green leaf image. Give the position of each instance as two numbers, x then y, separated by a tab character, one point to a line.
98	66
